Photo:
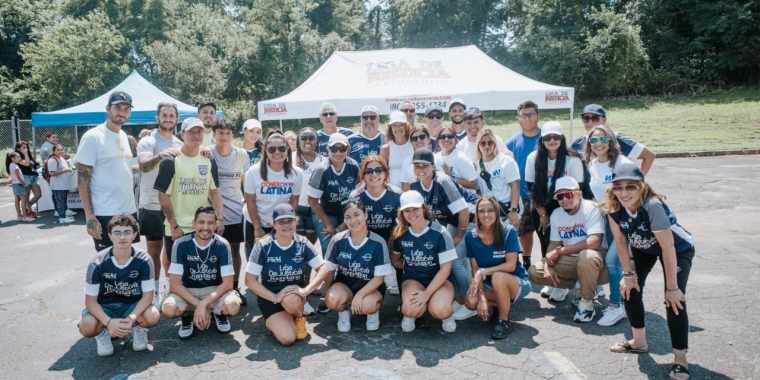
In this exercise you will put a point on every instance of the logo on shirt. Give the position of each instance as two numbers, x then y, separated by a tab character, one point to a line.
332	183
575	231
274	259
429	245
134	274
388	208
212	259
203	170
350	179
298	258
407	244
624	224
109	276
367	257
344	255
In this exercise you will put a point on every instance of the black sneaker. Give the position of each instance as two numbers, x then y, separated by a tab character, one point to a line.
222	323
500	329
186	330
494	316
323	307
243	300
526	262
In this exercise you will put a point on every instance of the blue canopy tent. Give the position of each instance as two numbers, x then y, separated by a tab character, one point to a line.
145	99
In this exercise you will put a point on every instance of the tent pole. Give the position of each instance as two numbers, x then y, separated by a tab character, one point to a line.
571	123
280	125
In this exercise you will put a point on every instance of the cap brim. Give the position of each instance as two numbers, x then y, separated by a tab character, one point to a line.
410	205
194	126
422	162
284	217
557	191
122	101
628	177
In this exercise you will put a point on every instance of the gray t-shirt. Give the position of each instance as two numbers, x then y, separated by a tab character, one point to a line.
46	150
231	170
150	146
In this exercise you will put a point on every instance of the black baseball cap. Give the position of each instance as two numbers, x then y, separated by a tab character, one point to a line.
423	156
203	104
627	171
120	97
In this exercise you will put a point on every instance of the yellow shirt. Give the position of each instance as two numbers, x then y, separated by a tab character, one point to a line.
187	181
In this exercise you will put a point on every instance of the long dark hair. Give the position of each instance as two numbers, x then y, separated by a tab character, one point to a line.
403	225
301	162
542	190
287	166
9	161
497	229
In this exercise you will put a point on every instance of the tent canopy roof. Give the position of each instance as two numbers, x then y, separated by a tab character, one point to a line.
385	78
145	99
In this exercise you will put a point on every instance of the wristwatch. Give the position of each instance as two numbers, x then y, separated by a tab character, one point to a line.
483	272
514	209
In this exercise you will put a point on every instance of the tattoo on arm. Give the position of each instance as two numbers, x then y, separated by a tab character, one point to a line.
148	165
84	175
168	212
92	224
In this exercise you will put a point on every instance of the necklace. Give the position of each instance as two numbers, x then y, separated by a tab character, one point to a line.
203	261
486	241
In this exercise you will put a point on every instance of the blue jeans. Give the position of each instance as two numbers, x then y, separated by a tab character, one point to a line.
320	226
614	269
461	274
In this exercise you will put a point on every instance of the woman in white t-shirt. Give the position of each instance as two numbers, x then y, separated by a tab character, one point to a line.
452	161
60	182
602	154
268	183
420	138
498	176
307	158
398	146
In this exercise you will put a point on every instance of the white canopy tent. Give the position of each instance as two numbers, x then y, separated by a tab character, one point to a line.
427	77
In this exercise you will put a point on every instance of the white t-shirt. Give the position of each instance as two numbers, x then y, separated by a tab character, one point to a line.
573	168
63	180
470	148
600	175
396	155
573	229
460	165
303	199
14	176
276	190
503	170
407	169
111	159
150	146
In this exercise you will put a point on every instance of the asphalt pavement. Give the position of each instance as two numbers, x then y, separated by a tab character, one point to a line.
42	269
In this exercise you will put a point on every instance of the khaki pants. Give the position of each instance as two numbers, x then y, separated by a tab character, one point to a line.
586	268
200	293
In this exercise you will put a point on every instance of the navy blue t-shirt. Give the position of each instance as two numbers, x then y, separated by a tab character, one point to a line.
653	217
323	138
355	266
333	188
424	253
254	155
201	267
443	198
381	212
487	256
114	283
521	146
361	146
279	267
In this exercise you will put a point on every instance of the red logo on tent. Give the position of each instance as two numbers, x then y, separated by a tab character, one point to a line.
274	108
401	70
557	97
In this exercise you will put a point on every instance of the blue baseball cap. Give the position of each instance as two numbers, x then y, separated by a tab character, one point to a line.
283	211
594	109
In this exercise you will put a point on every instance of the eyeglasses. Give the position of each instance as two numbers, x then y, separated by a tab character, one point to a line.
369	117
630	188
326	114
336	149
551	137
408	110
119	234
435	116
594	118
281	148
527	115
377	170
565	195
307	137
603	140
418	137
486	143
447	136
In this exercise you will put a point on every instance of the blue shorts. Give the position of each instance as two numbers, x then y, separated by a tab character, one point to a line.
31	179
525	287
305	222
115	310
18	189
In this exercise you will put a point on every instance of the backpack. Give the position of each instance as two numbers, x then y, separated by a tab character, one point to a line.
45	172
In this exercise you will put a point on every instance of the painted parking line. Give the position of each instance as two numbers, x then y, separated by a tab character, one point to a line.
552	363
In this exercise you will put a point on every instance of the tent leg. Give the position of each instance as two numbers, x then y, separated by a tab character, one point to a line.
34	142
571	123
280	125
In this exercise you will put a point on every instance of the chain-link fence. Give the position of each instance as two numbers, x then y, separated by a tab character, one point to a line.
67	136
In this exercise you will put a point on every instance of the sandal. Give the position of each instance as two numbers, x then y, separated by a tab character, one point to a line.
676	369
627	348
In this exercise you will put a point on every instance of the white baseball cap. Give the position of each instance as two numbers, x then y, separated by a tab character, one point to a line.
411	199
370	108
397	117
252	123
190	123
566	183
552	127
336	138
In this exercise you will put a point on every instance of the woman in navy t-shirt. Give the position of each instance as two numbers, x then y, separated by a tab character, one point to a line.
424	249
639	218
359	258
276	273
498	277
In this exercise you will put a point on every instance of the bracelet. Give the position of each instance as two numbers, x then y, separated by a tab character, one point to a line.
559	251
541	216
109	322
672	290
629	274
175	227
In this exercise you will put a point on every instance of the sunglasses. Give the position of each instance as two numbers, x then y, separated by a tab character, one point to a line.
281	148
418	137
369	117
603	140
447	136
326	114
594	118
336	149
377	170
435	116
308	137
565	195
551	137
630	188
408	110
486	143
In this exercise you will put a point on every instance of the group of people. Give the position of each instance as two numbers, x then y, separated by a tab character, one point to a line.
442	215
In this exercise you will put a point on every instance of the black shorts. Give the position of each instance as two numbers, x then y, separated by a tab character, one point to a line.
249	237
404	278
168	245
525	225
233	233
268	308
105	240
382	288
151	224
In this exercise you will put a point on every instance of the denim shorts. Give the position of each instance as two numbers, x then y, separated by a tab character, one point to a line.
305	223
115	310
19	189
525	287
31	179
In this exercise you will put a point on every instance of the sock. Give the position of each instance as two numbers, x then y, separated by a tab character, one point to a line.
235	285
526	262
156	285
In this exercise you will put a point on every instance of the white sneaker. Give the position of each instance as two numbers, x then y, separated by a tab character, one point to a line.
373	321
55	213
165	289
70	213
546	291
611	316
394	290
344	321
461	312
407	324
449	325
599	291
29	219
307	309
156	300
139	338
558	295
66	220
105	347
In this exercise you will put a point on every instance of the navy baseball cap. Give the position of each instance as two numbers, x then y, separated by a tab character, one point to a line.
283	211
594	109
627	171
